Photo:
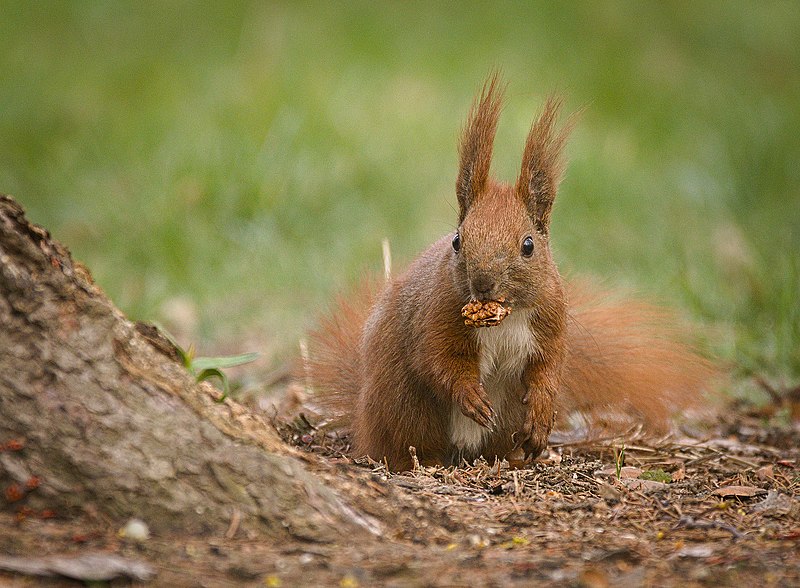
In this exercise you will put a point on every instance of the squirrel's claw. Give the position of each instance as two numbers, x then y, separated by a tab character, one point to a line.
533	440
484	416
534	434
474	404
532	448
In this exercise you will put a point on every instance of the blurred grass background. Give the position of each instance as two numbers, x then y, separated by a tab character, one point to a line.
228	166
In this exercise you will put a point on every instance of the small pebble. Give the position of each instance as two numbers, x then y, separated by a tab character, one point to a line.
135	530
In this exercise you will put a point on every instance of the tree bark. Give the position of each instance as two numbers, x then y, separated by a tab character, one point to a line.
97	415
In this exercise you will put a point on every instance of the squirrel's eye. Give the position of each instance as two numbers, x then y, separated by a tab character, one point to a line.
527	247
456	242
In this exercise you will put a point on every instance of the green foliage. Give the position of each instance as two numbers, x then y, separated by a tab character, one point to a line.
251	156
657	475
619	460
206	368
200	364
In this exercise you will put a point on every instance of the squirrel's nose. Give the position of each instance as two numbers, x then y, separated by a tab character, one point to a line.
483	286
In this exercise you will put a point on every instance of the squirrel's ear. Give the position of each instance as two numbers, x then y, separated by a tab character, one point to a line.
477	139
543	163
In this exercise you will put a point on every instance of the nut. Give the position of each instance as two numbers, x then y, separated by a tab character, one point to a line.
485	314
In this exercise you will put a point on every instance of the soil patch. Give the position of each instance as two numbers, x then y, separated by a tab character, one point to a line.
714	508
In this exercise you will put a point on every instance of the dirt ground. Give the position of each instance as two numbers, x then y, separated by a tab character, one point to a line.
718	507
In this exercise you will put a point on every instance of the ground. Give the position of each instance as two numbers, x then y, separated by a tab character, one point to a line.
713	508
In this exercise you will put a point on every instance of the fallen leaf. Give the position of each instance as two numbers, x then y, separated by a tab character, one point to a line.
775	503
514	543
698	551
644	485
87	567
608	492
738	491
624	472
765	473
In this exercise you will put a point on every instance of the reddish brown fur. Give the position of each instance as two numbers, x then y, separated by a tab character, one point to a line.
394	366
627	358
543	161
477	140
333	367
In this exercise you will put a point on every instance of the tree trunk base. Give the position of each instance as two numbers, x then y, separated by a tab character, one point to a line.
105	420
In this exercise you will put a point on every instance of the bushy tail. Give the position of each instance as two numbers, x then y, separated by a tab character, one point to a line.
333	365
627	362
626	358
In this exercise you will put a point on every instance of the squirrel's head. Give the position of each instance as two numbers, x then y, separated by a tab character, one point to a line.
501	248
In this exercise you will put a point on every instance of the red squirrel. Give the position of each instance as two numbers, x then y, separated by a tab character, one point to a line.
399	367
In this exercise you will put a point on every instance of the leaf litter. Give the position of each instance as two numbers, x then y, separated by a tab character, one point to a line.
717	505
712	506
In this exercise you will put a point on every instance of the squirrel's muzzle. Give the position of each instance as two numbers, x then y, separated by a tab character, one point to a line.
483	286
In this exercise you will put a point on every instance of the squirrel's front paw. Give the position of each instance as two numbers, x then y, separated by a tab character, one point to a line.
534	444
536	430
474	403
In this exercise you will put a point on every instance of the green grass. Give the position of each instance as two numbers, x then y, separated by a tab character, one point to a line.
250	157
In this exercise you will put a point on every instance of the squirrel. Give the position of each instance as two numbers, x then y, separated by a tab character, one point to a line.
399	367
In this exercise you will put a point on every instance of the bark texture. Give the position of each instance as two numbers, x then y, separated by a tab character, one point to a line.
103	419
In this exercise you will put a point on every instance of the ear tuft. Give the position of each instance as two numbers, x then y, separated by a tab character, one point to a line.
543	163
477	139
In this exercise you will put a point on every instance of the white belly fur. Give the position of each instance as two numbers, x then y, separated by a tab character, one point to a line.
504	351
